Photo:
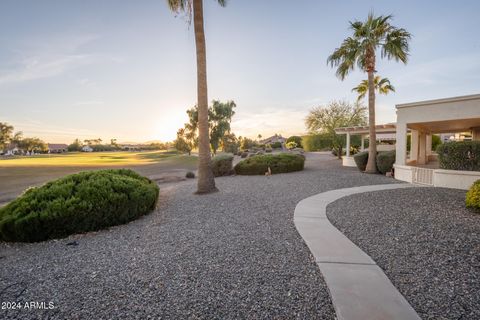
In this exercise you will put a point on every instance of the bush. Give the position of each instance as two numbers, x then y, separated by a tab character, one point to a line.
472	199
436	141
361	160
190	175
81	202
244	154
278	163
459	155
296	139
385	161
222	165
276	145
291	145
268	150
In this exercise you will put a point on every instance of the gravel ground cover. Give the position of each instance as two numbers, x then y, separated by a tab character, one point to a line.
425	240
228	255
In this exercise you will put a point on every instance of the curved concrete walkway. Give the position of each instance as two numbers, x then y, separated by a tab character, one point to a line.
358	287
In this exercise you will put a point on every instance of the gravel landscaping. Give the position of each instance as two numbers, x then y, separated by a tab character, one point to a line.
228	255
425	240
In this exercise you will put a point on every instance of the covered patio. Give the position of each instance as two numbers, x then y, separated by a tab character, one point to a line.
423	119
384	132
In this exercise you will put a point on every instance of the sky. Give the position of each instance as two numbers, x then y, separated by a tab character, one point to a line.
126	69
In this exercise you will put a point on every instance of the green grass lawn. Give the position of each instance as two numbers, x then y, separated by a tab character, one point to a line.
19	173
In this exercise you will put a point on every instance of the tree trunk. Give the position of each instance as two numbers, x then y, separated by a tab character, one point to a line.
206	181
372	146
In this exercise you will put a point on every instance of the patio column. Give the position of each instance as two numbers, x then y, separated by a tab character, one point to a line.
422	148
476	134
401	144
362	139
429	145
414	145
348	145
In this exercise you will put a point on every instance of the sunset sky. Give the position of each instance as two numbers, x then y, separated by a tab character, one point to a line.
126	69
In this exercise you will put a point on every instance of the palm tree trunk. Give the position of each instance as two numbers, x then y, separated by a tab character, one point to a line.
372	146
206	181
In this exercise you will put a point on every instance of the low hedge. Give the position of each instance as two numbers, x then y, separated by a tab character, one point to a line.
222	165
278	163
385	161
81	202
472	199
361	160
459	155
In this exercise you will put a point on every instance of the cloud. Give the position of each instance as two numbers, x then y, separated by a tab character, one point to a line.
38	67
284	122
49	58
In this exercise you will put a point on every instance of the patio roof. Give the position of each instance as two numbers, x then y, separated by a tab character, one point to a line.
381	128
447	126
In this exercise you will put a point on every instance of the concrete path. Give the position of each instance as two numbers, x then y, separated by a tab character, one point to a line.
358	287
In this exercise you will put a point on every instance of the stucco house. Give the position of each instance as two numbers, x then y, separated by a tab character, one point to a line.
451	115
456	118
273	139
57	148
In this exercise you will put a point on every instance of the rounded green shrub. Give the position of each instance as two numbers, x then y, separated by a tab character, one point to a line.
296	139
385	161
222	165
472	199
278	163
81	202
361	160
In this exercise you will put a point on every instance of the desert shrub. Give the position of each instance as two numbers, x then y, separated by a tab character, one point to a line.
385	161
222	165
291	145
278	163
472	199
276	145
361	160
244	154
81	202
296	139
268	150
335	152
459	155
190	175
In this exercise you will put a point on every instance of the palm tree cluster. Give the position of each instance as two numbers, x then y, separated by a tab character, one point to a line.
368	37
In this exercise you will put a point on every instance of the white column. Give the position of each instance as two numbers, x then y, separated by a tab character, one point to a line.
422	148
429	145
401	144
348	145
414	145
362	146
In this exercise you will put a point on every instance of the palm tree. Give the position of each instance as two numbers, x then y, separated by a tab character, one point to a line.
360	50
206	181
382	86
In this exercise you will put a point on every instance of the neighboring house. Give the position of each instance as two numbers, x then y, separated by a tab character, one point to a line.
11	150
273	139
57	148
87	149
